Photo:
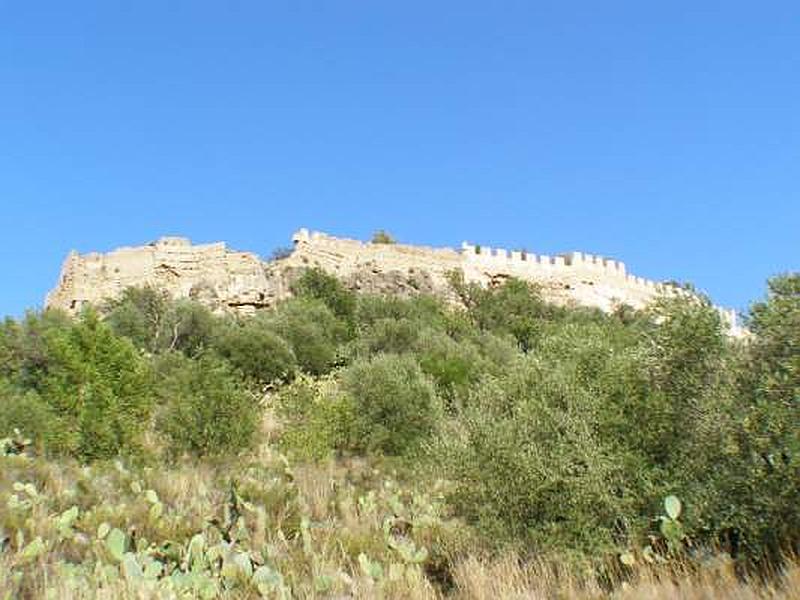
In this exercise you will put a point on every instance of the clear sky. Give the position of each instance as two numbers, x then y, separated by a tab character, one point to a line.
665	134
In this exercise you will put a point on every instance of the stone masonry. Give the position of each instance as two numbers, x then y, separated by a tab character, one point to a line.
224	279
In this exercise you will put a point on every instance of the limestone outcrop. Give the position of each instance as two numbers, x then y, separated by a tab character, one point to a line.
224	279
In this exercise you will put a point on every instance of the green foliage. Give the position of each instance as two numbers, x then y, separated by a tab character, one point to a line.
559	430
529	465
382	237
80	389
155	322
313	332
316	284
320	418
207	410
258	352
756	470
395	405
515	307
453	365
27	413
387	336
776	326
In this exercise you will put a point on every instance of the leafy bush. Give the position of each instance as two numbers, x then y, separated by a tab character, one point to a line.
382	237
319	417
453	366
26	412
258	352
96	385
316	284
756	470
395	405
155	322
515	307
565	429
207	410
387	336
313	332
529	466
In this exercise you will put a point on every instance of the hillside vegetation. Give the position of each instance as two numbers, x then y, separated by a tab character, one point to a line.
363	446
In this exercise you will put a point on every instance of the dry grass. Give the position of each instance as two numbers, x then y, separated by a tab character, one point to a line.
316	521
507	578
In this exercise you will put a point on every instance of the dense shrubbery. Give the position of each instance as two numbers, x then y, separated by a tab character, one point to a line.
207	409
394	404
90	392
557	431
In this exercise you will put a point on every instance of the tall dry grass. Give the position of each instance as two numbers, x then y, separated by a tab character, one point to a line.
508	578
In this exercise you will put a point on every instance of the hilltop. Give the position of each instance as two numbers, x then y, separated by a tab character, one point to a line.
394	445
225	279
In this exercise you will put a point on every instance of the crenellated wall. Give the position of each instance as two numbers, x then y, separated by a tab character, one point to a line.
575	278
227	279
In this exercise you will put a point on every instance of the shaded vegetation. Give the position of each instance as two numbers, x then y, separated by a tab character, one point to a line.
548	434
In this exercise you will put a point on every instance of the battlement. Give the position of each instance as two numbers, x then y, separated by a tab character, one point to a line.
607	266
574	277
239	280
169	241
573	263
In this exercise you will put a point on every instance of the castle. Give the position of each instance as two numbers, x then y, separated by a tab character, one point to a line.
225	279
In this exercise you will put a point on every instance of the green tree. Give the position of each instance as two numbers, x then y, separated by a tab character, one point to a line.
97	385
256	351
155	322
395	406
758	474
529	466
516	307
207	409
316	284
312	330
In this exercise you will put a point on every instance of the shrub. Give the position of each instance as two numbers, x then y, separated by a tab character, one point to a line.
425	310
382	237
387	336
256	351
756	470
27	412
97	385
207	410
316	284
141	314
24	353
453	366
516	307
155	322
319	418
528	465
313	332
395	405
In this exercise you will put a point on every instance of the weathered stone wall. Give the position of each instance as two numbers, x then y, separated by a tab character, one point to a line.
210	273
576	278
224	279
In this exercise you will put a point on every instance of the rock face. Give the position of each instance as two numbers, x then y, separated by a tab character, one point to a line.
227	280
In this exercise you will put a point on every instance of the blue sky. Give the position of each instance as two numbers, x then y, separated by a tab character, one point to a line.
663	134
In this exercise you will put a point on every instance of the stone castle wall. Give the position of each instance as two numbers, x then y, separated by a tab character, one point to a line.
225	279
211	273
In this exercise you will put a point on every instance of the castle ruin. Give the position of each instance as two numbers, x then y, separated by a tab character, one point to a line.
224	279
